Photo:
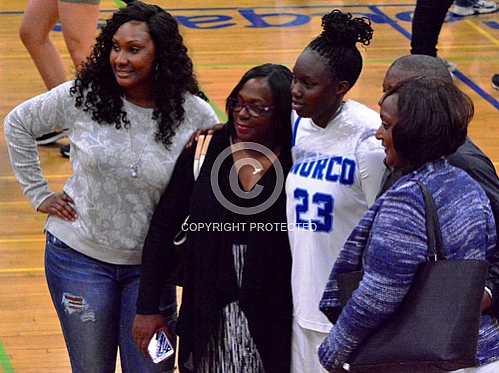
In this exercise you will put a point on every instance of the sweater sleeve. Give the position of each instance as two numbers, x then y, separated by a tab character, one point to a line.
396	248
493	259
31	119
370	156
158	252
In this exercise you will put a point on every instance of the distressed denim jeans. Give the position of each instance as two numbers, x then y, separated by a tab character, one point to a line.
95	303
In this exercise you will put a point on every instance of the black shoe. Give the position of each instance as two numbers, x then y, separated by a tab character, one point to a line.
495	81
50	138
65	150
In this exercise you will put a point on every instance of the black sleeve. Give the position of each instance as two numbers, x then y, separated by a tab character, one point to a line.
158	251
472	160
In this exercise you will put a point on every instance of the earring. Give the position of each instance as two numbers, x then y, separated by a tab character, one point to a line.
156	71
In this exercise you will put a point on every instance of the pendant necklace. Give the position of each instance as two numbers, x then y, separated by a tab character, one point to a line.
134	165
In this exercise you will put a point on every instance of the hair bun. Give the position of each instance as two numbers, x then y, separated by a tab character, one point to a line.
341	29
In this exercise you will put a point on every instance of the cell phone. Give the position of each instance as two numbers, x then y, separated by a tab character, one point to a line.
160	347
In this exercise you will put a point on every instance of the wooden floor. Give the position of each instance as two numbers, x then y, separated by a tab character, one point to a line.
235	36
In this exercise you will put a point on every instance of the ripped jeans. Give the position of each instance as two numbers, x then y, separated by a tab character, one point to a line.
95	303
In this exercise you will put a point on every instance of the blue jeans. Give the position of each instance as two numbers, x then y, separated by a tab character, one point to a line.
95	303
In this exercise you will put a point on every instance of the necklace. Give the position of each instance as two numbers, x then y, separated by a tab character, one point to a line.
135	163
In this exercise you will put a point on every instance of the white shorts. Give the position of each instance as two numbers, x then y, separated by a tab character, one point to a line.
304	346
487	368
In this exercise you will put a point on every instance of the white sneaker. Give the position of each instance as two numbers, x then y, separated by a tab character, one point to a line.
475	7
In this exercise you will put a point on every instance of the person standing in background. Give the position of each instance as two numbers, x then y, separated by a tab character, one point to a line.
429	16
78	19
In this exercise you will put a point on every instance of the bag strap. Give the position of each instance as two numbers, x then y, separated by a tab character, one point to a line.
200	154
432	226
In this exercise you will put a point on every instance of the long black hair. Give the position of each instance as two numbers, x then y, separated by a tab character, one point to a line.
97	91
337	44
279	79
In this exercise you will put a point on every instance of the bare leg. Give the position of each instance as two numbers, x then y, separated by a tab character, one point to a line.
39	18
79	25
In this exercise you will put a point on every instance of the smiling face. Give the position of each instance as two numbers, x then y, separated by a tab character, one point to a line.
252	112
389	119
315	92
132	57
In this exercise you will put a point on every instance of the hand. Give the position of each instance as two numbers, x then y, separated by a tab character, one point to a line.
195	136
486	302
60	205
144	327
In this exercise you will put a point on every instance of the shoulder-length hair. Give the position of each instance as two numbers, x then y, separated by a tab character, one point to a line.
279	79
433	118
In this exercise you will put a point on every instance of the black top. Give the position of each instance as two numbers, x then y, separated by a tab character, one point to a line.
209	281
471	159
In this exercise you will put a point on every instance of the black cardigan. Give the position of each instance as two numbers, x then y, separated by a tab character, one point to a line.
209	277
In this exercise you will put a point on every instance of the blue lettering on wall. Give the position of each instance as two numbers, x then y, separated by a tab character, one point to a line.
205	22
260	20
202	19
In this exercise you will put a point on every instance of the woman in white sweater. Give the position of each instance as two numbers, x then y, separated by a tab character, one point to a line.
129	112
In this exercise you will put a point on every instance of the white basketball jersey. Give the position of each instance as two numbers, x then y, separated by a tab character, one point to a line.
335	177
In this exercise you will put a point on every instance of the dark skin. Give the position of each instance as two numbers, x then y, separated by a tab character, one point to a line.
248	128
253	129
316	93
132	61
393	77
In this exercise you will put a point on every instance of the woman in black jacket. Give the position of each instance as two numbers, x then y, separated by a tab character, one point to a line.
236	306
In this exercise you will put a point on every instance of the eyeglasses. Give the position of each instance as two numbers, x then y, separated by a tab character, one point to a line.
255	111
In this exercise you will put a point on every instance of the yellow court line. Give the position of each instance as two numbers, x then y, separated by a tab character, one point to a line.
21	270
487	34
14	240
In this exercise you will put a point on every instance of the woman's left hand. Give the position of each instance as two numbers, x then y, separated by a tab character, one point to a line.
195	136
60	205
144	327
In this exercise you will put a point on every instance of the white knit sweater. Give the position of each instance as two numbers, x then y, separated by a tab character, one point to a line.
114	208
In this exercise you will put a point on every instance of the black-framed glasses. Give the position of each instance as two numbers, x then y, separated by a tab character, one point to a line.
254	110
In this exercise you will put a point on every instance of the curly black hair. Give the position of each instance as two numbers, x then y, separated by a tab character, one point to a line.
96	90
337	44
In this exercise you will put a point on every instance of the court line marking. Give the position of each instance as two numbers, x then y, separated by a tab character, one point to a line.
457	73
5	361
21	270
485	33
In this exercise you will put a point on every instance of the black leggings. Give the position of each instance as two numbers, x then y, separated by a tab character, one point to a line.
429	16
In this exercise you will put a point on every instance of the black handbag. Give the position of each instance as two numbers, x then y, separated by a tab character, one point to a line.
436	327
